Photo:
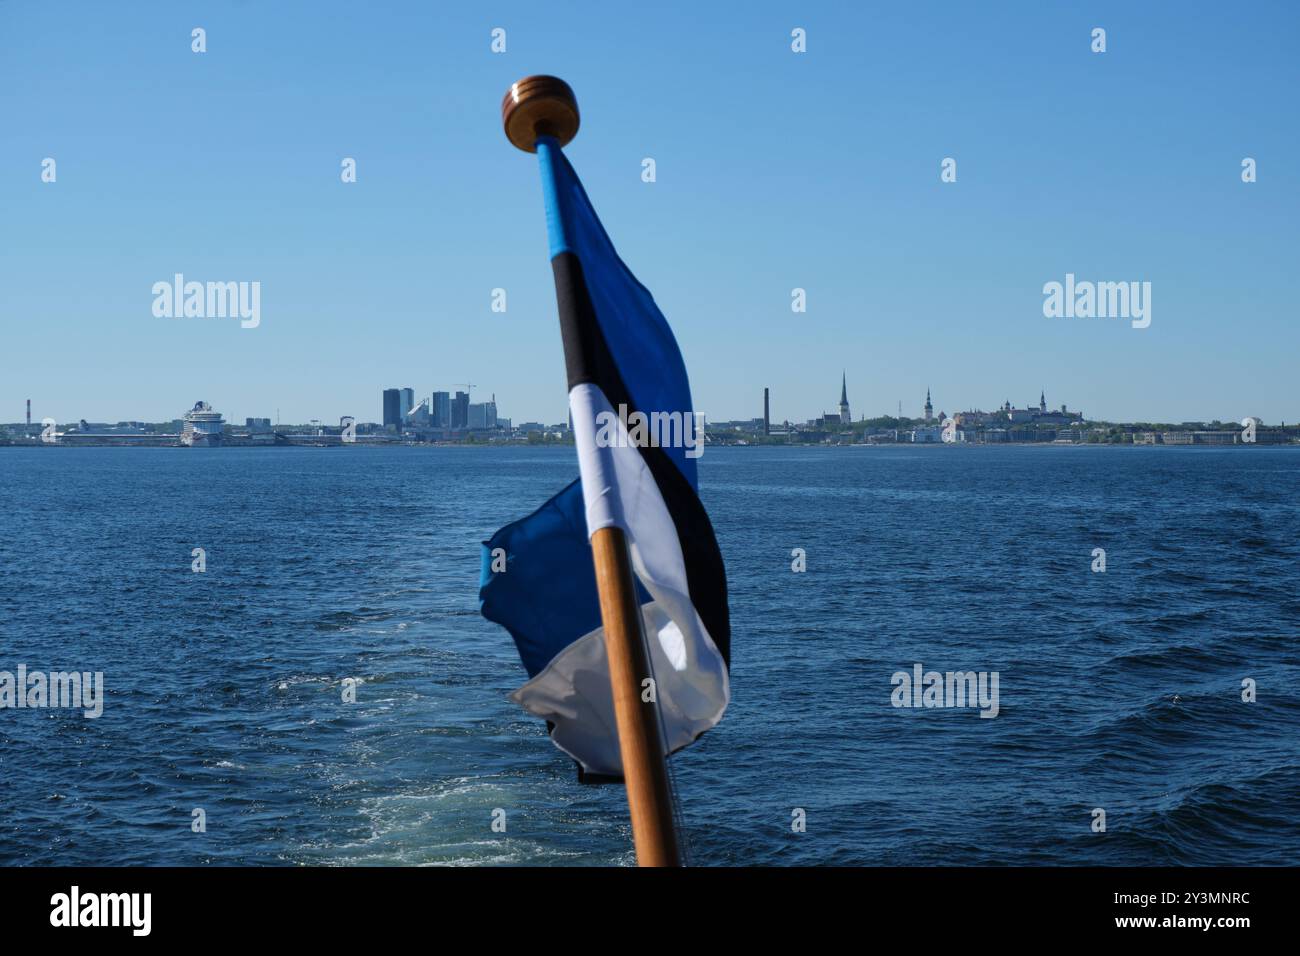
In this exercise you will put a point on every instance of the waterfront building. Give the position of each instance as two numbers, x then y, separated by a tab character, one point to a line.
1036	434
85	429
405	404
1201	438
440	409
460	410
392	408
482	414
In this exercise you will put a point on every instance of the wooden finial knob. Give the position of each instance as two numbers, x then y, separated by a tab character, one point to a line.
539	106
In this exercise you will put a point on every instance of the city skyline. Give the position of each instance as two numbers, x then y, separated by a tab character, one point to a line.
1113	167
926	410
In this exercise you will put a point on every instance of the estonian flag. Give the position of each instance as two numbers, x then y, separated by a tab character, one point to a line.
621	358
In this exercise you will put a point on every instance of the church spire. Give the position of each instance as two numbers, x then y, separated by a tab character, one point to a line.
845	417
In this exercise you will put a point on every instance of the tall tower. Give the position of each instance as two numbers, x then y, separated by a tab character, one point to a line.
440	409
929	409
1042	402
392	408
767	416
845	417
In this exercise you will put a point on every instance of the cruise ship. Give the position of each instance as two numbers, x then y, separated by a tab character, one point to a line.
203	427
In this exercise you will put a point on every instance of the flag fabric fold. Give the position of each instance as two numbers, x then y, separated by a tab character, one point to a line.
637	440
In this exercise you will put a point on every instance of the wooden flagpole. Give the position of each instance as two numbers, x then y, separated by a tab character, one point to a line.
649	797
533	107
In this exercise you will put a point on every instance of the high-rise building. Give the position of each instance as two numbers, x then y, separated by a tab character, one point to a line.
440	410
392	408
407	403
767	416
483	414
460	410
845	417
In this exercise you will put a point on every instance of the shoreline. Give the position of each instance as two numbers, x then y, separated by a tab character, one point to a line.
517	445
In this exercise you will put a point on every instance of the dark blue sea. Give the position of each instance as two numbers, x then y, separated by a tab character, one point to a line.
1119	690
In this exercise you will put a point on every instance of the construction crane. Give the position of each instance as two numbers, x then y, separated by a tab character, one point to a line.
469	387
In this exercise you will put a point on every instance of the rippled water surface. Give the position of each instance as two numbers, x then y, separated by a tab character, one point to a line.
1119	690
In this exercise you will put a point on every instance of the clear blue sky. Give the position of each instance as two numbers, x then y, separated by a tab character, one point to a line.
775	170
